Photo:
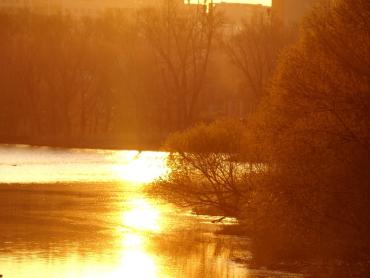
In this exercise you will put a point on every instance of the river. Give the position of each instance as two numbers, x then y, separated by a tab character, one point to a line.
82	213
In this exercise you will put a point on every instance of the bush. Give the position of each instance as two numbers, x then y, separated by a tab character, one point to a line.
206	172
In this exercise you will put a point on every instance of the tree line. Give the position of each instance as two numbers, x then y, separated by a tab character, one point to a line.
123	77
296	173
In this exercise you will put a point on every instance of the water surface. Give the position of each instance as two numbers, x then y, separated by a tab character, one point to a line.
83	213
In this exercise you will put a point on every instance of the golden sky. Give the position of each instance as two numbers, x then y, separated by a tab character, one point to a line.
263	2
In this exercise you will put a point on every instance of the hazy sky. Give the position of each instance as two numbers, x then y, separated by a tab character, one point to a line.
263	2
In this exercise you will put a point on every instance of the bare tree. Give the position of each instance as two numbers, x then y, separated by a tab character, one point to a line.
254	50
182	37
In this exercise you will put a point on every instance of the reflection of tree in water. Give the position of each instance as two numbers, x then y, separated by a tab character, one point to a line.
194	253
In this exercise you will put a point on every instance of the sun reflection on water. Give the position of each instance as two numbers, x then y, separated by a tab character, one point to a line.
137	261
143	216
140	167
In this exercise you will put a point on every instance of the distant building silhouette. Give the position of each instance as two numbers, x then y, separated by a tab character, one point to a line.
292	11
236	14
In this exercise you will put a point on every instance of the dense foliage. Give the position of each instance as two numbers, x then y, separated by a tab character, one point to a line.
315	129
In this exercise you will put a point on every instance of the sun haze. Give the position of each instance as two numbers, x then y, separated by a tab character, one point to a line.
263	2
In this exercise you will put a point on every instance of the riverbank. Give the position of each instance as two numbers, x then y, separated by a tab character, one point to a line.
295	267
148	142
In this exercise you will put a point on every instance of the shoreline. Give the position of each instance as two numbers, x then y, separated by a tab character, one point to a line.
144	144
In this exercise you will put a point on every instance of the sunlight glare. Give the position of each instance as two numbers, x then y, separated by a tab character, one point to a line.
141	167
136	260
143	216
262	2
132	241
